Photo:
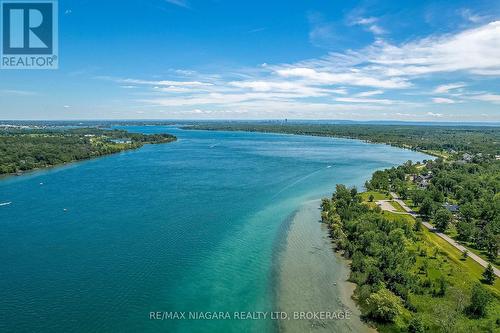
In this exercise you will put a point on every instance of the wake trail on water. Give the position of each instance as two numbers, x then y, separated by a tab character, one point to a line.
298	181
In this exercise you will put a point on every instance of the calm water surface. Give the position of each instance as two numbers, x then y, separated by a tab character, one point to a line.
193	225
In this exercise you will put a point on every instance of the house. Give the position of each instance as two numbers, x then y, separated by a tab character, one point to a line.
127	141
424	183
467	157
423	180
451	208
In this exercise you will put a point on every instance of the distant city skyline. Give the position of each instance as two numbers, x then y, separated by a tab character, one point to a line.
179	59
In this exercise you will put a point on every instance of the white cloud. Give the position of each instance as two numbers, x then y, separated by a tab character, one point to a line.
15	92
376	29
180	3
173	89
266	85
329	85
388	66
440	100
470	50
486	72
370	93
340	91
354	78
370	24
493	98
165	82
471	16
364	100
366	20
322	33
445	88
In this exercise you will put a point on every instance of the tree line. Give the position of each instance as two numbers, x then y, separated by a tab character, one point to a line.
399	275
26	149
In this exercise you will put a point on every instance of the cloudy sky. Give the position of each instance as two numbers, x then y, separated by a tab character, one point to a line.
226	59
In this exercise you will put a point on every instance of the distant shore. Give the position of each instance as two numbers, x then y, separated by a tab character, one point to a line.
29	150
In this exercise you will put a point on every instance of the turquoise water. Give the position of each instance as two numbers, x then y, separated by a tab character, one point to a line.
188	226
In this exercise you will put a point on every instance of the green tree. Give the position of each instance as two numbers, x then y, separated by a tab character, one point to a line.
416	325
465	254
468	211
490	241
427	207
418	225
403	192
417	197
442	219
443	285
371	198
466	230
380	180
384	306
479	301
489	274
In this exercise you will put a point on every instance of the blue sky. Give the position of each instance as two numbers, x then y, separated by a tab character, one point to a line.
223	59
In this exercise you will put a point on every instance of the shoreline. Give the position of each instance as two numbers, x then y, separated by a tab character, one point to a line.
310	276
368	141
30	172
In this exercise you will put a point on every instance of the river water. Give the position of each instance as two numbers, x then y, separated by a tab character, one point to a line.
217	221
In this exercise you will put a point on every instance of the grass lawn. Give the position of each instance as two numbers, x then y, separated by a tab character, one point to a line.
443	154
471	268
446	313
398	207
376	196
482	254
435	261
410	204
393	217
452	232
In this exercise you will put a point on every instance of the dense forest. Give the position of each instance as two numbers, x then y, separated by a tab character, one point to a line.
439	140
23	149
406	280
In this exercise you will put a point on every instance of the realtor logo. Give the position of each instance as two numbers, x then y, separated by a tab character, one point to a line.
29	34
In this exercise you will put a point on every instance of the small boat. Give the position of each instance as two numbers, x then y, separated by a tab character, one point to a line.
5	203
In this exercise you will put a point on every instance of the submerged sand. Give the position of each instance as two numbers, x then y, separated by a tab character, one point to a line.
311	277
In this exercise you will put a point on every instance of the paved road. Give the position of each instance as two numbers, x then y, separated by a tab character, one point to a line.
429	226
386	205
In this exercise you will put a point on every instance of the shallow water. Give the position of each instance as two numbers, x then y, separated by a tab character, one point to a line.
194	225
312	279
